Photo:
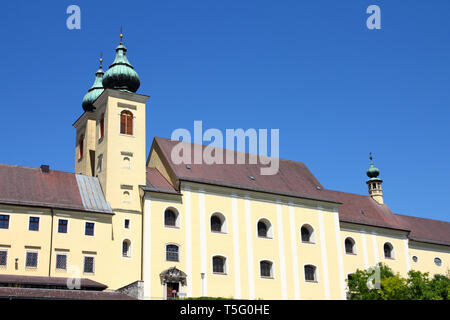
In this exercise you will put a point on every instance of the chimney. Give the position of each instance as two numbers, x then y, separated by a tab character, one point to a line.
45	168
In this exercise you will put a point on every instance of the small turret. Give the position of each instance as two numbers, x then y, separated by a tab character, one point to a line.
374	183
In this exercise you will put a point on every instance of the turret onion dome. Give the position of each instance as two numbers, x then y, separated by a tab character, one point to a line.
121	75
95	91
373	172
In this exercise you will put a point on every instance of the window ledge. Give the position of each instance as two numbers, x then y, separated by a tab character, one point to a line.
269	238
219	232
388	258
220	273
171	227
308	242
312	281
351	253
269	278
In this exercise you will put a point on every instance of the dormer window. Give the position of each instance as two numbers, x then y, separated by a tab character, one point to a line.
126	122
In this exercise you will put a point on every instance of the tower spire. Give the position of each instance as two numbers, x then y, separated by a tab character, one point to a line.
121	74
96	90
374	183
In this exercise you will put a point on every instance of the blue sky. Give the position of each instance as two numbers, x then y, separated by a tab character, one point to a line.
335	89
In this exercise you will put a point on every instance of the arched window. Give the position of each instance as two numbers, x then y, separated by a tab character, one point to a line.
264	228
219	264
172	252
126	248
126	122
349	246
438	261
307	233
388	251
310	273
266	269
102	125
81	145
217	223
170	218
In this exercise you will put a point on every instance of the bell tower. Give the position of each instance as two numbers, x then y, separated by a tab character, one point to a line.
374	183
85	128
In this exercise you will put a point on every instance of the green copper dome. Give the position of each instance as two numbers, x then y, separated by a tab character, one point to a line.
121	75
373	172
95	91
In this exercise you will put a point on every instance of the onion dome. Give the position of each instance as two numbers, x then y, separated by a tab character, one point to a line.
373	172
95	91
121	75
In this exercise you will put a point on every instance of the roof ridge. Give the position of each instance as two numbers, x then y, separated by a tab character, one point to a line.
415	217
34	168
246	153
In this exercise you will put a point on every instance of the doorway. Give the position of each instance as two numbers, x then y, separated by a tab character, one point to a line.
172	290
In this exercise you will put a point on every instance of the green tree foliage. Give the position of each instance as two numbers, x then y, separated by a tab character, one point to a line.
383	284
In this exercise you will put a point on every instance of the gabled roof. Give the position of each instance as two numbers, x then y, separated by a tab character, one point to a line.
54	189
157	183
292	179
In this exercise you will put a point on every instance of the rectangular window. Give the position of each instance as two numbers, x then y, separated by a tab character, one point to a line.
127	223
34	224
62	225
88	265
4	221
31	261
3	257
89	230
61	261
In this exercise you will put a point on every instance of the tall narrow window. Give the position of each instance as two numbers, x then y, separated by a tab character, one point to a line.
218	264
89	229
266	269
126	122
34	224
307	233
61	261
62	226
3	257
349	246
170	218
81	145
172	252
4	221
102	125
88	265
388	251
31	260
310	273
126	248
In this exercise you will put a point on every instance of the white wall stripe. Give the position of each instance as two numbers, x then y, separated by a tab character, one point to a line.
236	257
408	265
323	249
203	258
340	251
281	251
365	255
375	247
251	277
294	252
187	197
146	248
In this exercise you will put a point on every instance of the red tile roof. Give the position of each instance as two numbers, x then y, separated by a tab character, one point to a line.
157	183
56	294
426	230
55	189
292	179
361	209
39	281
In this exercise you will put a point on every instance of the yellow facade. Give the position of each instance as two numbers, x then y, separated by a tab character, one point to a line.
118	161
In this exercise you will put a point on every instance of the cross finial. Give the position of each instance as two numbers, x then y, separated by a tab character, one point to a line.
121	35
101	59
370	156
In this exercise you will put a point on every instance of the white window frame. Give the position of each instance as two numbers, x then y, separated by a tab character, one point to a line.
59	253
225	265
37	258
222	218
129	248
270	231
177	220
95	227
93	263
57	226
316	273
272	270
312	230
7	254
